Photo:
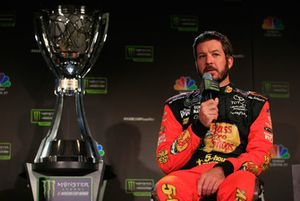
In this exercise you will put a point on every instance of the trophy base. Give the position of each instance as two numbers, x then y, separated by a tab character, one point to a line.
65	168
67	157
43	185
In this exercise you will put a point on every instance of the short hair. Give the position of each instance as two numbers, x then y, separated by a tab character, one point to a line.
213	35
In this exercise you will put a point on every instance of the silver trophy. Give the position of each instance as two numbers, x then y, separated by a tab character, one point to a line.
70	38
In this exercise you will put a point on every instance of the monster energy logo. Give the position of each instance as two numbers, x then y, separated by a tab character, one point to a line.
48	188
131	51
139	53
130	185
36	115
42	117
95	85
184	23
139	187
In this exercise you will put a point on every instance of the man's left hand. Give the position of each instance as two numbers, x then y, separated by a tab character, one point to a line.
210	181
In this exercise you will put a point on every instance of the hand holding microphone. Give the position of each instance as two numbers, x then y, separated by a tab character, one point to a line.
208	111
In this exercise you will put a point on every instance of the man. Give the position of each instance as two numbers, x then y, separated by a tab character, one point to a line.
213	146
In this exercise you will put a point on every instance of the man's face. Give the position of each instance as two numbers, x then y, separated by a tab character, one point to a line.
211	58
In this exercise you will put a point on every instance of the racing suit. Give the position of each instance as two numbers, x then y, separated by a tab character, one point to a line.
240	141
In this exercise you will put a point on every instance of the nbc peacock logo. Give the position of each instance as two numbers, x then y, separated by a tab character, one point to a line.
272	23
4	81
185	83
280	152
272	27
280	155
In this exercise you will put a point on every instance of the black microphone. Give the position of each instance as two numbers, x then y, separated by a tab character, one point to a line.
209	87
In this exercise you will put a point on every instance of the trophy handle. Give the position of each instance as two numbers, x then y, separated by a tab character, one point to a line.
98	42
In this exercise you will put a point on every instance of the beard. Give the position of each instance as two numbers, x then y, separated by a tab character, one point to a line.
222	74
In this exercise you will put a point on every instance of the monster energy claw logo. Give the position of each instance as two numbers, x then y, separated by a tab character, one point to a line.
49	188
131	51
36	115
130	185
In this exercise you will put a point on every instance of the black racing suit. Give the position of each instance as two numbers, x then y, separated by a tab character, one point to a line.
241	138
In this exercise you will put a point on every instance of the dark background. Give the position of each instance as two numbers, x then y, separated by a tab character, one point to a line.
138	89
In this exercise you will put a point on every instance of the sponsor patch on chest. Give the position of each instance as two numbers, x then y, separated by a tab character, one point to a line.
222	137
238	106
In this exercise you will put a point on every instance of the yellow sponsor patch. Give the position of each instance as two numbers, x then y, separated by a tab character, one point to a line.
240	195
228	89
162	156
170	191
183	141
222	137
266	163
209	158
251	167
185	120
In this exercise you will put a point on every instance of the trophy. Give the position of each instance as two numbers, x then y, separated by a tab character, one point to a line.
70	38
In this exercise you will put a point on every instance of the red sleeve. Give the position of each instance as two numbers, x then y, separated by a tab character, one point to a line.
260	143
175	145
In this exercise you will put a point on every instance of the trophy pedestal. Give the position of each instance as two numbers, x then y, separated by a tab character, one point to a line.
66	157
46	187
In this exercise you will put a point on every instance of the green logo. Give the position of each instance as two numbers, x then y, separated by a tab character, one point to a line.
130	185
187	23
48	188
95	85
42	117
5	151
139	187
139	53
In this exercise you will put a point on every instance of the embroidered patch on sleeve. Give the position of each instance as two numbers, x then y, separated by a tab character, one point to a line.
162	156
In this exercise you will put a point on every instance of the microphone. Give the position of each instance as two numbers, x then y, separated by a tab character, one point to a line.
209	87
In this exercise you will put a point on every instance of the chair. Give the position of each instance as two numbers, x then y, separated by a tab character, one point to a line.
261	191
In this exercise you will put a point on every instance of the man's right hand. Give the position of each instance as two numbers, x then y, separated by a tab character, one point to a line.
208	111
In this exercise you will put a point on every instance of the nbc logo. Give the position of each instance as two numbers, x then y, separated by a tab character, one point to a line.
272	23
280	152
4	81
185	83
